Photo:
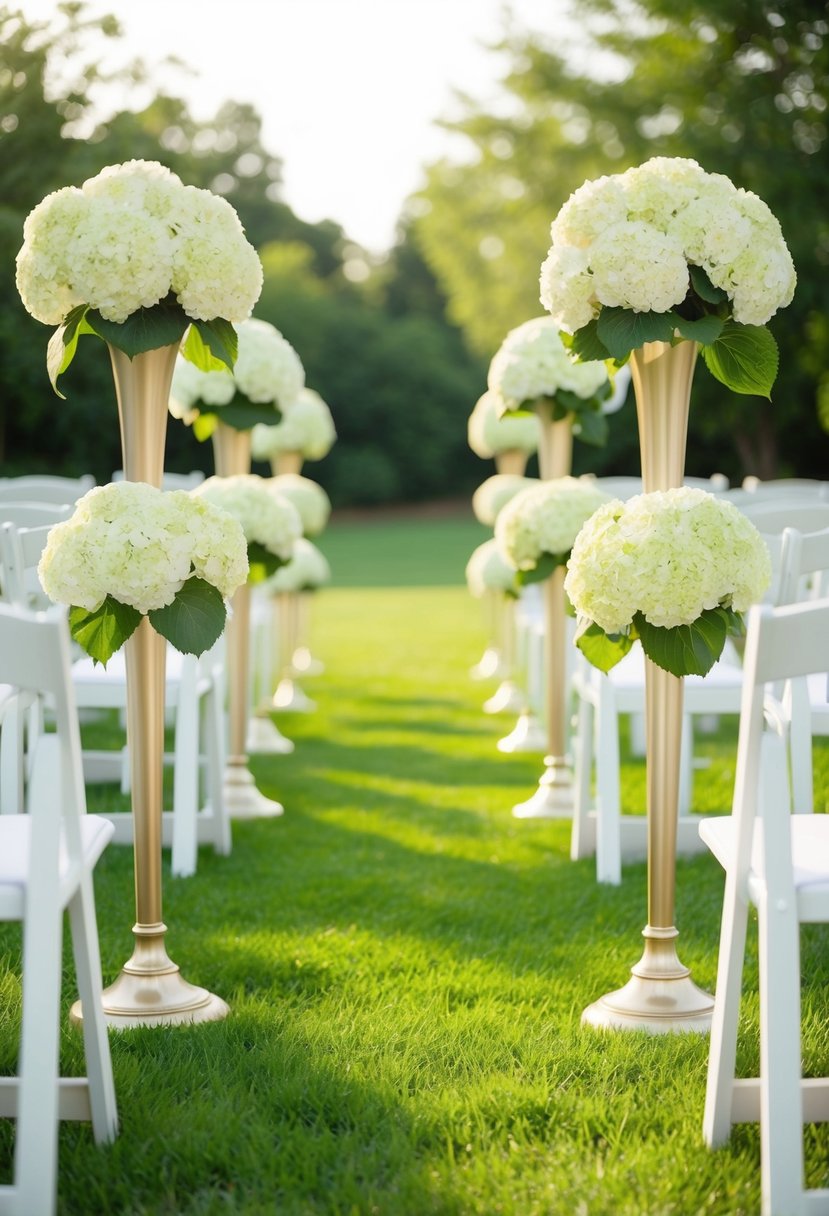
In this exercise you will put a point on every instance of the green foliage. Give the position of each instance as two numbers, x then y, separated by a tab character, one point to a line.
103	631
195	619
743	89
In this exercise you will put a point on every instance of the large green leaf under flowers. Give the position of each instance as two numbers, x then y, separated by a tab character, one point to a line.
105	630
542	570
194	620
603	650
683	650
261	562
211	346
745	358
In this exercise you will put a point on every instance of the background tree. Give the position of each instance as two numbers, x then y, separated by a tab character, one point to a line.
742	86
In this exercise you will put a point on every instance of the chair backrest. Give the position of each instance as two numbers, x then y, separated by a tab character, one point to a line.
20	550
27	514
787	486
172	481
45	488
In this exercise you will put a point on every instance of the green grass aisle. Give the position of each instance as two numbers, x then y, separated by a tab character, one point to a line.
406	966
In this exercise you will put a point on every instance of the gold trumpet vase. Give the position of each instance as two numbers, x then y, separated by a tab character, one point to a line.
513	461
150	989
660	995
231	453
553	799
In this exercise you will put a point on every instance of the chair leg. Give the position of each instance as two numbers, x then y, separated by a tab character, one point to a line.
96	1043
579	837
186	775
608	808
781	1102
214	748
36	1141
722	1053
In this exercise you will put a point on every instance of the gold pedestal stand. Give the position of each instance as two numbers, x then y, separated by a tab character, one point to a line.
660	995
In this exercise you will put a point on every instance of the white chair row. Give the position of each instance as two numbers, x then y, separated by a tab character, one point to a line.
46	861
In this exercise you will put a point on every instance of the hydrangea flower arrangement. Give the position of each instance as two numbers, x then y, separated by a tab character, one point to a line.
130	550
664	252
675	569
271	524
490	432
536	529
308	570
493	495
487	571
307	427
138	258
310	500
267	378
532	364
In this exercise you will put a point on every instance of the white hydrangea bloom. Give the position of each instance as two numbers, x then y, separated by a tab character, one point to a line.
139	545
267	518
127	238
267	367
307	427
532	362
192	387
486	571
545	519
619	241
492	495
307	570
491	431
310	500
669	555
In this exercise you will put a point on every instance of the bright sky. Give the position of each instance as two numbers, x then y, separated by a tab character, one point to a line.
348	89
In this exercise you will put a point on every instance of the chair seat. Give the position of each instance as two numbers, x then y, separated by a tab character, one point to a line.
810	848
15	841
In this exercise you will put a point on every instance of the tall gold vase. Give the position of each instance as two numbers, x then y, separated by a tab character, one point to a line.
231	452
513	461
660	995
553	799
150	989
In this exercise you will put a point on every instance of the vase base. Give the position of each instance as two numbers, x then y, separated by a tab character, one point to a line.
289	697
554	798
154	993
507	698
243	800
489	666
660	996
528	735
303	663
265	736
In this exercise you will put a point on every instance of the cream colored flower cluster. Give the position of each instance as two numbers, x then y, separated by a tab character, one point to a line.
139	545
306	427
626	241
129	237
489	432
192	388
310	500
267	518
669	555
531	362
486	571
492	495
307	570
545	518
267	367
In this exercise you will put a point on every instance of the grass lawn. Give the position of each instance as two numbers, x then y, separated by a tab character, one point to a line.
407	964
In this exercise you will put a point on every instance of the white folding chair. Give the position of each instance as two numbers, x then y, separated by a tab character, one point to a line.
598	822
194	693
172	481
46	863
45	488
779	862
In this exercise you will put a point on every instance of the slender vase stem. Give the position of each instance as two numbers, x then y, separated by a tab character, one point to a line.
513	461
286	462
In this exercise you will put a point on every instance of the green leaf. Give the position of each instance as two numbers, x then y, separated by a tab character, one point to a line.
591	427
704	288
603	650
262	562
621	330
585	344
242	414
744	358
204	426
64	342
704	329
544	567
105	630
685	649
145	329
194	620
211	345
